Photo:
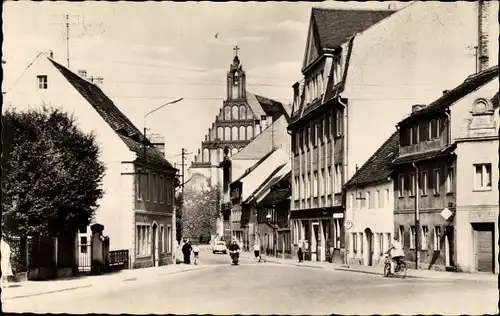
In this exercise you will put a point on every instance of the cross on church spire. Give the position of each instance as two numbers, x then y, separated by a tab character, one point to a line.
236	49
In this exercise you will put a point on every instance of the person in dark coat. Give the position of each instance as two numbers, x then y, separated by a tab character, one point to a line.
301	252
186	250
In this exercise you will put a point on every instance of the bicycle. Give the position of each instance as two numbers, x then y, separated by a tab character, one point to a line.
400	269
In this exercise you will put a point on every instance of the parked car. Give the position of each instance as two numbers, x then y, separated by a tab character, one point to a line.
219	246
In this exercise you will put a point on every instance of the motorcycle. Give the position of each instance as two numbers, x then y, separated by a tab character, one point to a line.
235	256
399	270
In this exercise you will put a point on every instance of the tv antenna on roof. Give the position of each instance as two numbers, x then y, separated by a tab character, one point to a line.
67	20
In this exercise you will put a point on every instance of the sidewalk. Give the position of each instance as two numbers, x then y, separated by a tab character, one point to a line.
32	288
379	269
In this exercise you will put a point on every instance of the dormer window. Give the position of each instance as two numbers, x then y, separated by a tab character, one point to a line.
42	82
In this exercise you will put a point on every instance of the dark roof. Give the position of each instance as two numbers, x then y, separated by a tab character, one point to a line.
122	126
472	83
272	107
420	156
378	167
275	197
495	101
336	26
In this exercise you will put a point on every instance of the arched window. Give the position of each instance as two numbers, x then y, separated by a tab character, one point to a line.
235	112
206	155
242	133
227	133
234	133
242	112
235	78
219	133
213	157
249	132
227	113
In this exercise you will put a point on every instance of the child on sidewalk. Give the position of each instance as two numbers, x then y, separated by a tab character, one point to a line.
196	252
256	251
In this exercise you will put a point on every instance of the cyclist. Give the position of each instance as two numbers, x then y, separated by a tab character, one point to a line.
196	253
397	253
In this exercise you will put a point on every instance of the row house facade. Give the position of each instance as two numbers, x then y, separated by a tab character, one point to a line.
425	175
318	132
136	208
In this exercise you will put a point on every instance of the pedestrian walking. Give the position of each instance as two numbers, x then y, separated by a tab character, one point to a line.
300	252
6	266
256	251
186	251
196	253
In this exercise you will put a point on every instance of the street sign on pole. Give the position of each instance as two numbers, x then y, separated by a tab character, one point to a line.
446	213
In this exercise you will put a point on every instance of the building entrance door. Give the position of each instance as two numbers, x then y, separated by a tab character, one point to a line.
369	240
484	246
315	247
154	244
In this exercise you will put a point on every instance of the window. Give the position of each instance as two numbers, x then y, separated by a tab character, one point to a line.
412	184
315	184
368	200
376	200
424	183
320	132
402	235
414	134
169	239
321	184
437	179
387	197
338	122
139	182
425	237
437	238
338	178
351	200
308	186
313	134
354	242
42	82
361	242
328	181
401	186
430	130
449	180
83	244
143	239
380	243
162	190
389	240
410	136
434	128
327	127
146	187
162	238
412	237
482	178
154	189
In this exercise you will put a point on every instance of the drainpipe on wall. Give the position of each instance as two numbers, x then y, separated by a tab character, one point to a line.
417	214
345	162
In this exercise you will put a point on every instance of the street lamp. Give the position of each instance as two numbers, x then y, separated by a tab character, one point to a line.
150	112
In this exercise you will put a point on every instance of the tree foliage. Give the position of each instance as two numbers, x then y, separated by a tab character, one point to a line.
51	173
200	213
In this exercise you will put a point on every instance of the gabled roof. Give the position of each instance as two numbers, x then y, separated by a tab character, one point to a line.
378	167
426	155
122	126
252	168
272	177
336	26
472	83
272	107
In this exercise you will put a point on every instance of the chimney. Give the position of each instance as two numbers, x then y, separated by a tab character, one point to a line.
51	54
445	91
417	107
158	142
483	25
82	73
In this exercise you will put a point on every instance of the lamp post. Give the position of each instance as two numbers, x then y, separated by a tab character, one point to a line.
156	109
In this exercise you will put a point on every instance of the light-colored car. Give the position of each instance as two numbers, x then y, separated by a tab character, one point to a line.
219	246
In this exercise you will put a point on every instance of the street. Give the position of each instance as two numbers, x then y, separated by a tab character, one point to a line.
267	288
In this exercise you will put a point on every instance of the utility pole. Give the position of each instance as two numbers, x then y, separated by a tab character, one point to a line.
183	153
417	213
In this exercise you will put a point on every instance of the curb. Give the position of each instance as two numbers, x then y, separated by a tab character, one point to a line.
50	292
375	273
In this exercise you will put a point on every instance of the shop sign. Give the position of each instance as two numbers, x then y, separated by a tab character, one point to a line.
483	216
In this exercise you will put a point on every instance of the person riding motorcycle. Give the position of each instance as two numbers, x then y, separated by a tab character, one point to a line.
234	248
397	253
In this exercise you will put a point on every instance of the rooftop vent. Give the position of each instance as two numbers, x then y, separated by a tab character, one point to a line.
417	107
445	91
82	73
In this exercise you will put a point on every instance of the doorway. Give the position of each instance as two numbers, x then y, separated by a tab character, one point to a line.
154	244
369	240
484	247
316	248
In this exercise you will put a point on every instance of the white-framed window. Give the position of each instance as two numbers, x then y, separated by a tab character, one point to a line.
482	176
315	184
376	200
42	82
380	237
143	239
351	200
338	178
424	237
424	183
437	238
329	180
412	237
147	187
354	242
389	241
154	188
139	185
412	184
308	186
321	184
402	235
401	185
368	200
162	190
436	181
361	243
169	239
387	197
338	122
162	238
449	180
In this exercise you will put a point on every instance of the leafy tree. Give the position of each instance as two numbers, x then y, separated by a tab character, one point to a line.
200	213
178	216
51	174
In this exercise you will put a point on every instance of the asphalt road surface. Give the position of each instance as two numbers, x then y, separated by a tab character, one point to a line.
266	288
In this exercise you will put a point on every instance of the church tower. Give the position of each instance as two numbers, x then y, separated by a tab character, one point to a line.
236	79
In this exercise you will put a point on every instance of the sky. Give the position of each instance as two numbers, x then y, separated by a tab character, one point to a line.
153	52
